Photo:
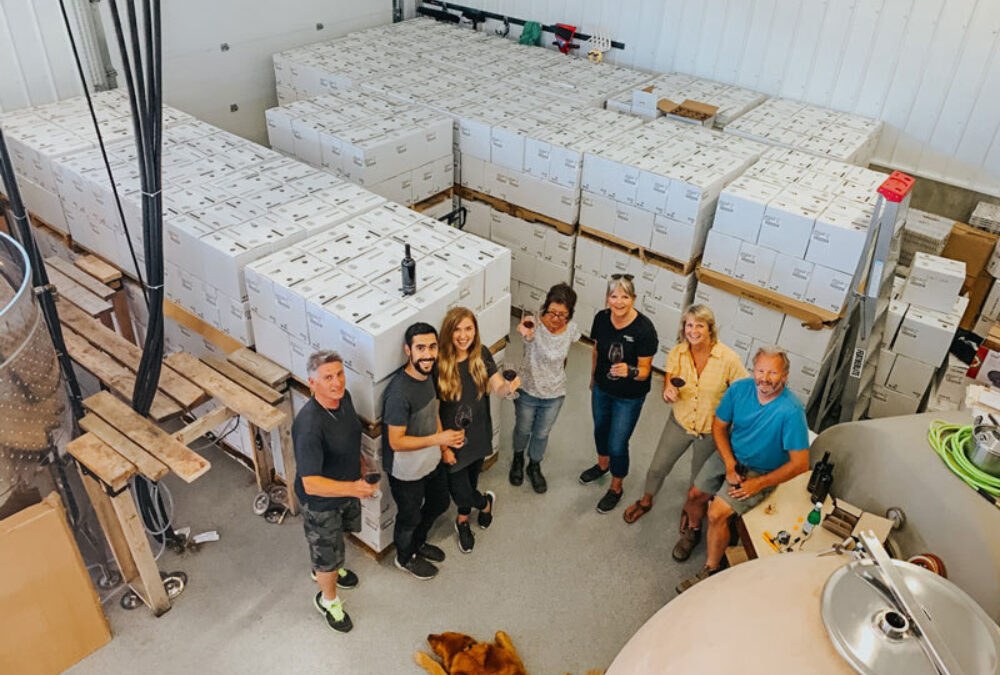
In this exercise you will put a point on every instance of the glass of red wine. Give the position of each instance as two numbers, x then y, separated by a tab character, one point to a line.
677	382
509	374
463	418
616	354
372	478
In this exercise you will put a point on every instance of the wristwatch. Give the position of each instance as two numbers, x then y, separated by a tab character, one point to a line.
633	371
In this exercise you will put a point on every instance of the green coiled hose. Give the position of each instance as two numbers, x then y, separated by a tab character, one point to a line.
949	442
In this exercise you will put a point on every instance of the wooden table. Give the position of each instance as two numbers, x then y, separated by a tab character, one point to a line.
786	508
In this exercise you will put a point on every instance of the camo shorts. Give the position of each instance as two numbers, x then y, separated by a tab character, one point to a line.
325	533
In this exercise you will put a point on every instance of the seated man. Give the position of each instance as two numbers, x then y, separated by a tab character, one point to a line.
761	440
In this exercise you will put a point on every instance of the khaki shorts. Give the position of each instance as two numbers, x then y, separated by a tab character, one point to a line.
712	481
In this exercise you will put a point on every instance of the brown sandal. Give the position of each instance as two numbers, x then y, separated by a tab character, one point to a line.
636	511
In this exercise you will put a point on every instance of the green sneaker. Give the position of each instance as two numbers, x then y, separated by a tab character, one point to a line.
336	617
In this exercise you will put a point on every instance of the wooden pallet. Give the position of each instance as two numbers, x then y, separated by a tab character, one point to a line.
515	210
433	200
810	315
683	268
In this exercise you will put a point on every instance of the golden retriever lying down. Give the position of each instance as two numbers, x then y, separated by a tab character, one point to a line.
463	655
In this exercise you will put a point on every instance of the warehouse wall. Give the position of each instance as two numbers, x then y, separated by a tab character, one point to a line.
929	68
203	80
36	64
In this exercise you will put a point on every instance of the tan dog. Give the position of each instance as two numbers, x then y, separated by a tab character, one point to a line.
463	655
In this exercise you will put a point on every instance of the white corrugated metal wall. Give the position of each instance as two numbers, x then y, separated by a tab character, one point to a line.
36	63
929	68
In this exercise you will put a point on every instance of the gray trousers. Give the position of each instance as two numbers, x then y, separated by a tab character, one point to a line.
674	442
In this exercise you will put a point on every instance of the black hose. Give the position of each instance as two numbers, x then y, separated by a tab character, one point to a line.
104	153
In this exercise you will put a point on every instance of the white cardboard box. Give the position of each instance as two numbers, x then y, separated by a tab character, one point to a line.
790	276
909	376
755	264
888	403
828	288
721	253
925	335
796	338
934	282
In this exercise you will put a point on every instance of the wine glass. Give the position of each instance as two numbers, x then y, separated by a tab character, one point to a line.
372	478
678	382
529	320
616	354
509	373
463	418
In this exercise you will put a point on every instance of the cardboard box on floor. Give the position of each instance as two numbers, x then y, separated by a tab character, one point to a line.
687	109
970	245
51	616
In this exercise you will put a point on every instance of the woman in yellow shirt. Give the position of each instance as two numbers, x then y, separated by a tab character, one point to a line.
699	369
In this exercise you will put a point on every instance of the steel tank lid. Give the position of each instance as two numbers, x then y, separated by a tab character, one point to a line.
877	638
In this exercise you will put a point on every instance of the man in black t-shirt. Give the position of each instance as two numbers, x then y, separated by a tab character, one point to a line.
415	451
326	436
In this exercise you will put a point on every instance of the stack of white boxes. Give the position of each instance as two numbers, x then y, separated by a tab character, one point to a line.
818	131
795	224
924	232
745	326
532	155
662	292
731	101
986	216
341	290
398	150
656	187
920	326
541	255
948	387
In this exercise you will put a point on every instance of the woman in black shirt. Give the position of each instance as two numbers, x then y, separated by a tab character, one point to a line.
466	374
624	345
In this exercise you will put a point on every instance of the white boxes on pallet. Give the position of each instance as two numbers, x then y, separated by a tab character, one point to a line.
656	186
925	335
819	131
924	232
888	403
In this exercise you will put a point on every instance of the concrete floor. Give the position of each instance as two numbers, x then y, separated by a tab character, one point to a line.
568	584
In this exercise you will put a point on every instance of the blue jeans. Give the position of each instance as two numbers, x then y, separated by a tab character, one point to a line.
533	420
614	421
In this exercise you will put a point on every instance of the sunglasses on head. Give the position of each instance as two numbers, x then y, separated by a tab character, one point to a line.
626	277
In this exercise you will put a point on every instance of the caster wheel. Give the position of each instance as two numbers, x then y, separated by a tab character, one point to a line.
109	581
174	586
274	515
261	503
278	494
896	515
130	600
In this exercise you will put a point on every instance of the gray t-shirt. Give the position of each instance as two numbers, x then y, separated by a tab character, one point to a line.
543	371
411	403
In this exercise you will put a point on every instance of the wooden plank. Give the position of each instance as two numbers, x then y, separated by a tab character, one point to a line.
152	588
683	268
288	452
811	315
112	528
242	378
98	269
263	468
80	277
122	316
145	463
262	368
178	314
516	211
174	385
204	424
113	469
89	303
228	392
113	374
183	461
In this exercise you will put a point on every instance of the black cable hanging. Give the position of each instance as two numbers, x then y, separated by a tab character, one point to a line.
144	90
104	152
145	97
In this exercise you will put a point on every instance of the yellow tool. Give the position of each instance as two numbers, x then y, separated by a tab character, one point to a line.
770	541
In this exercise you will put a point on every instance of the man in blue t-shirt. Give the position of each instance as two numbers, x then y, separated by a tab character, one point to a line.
761	440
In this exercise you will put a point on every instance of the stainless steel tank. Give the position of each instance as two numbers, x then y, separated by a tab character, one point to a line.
33	404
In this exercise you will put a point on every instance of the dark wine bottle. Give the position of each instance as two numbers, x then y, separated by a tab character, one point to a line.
408	267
